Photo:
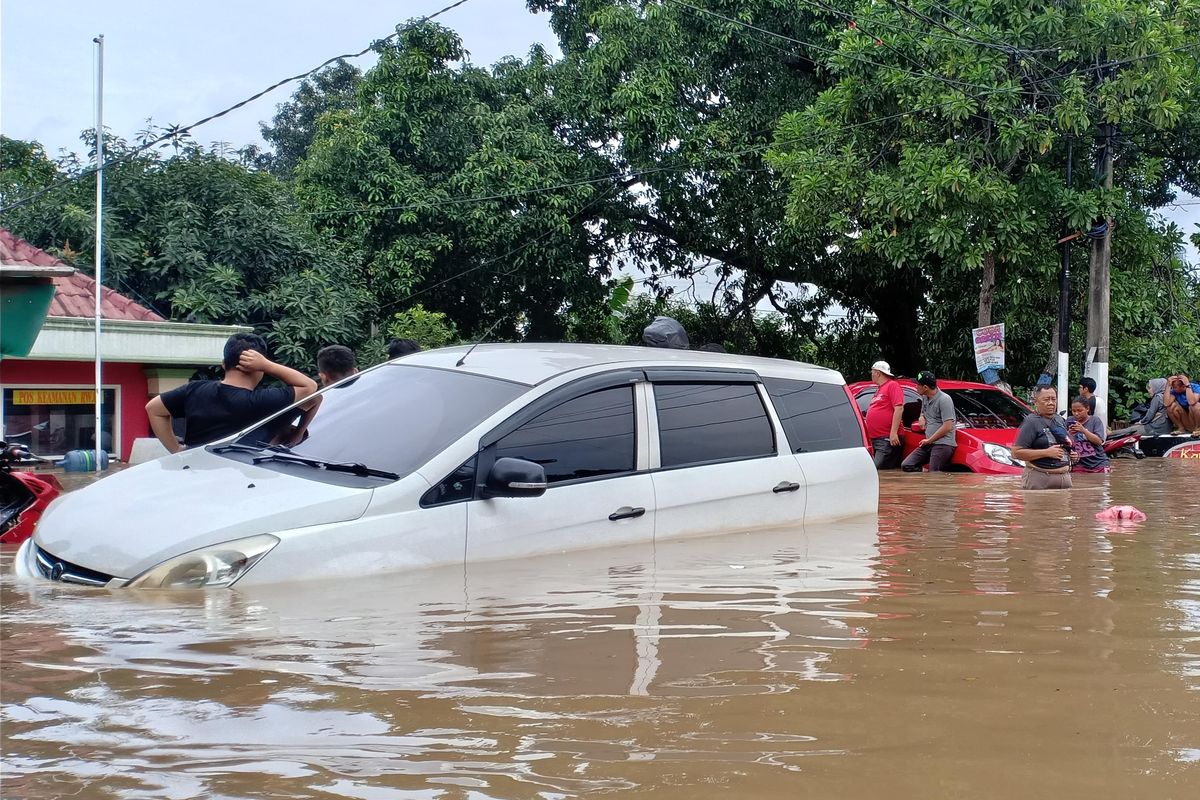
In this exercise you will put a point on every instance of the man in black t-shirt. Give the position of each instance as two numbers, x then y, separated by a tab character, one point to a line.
1043	444
215	409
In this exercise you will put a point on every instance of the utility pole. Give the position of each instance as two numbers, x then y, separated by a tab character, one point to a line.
1096	365
99	439
1064	304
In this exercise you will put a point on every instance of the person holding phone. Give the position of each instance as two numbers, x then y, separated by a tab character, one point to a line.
1087	438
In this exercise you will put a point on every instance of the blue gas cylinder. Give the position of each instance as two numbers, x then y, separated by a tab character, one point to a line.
82	461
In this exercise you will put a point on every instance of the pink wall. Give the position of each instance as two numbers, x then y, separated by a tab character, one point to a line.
130	377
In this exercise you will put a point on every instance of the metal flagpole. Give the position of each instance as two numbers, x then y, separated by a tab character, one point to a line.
99	40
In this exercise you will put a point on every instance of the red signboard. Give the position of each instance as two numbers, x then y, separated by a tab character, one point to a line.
1188	451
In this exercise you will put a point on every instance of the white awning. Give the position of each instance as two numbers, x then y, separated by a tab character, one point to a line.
135	342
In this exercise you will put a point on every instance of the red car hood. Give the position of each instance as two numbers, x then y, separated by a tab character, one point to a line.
1004	436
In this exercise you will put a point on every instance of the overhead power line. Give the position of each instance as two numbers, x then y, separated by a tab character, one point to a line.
174	133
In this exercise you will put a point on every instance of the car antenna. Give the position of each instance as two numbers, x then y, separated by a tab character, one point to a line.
478	342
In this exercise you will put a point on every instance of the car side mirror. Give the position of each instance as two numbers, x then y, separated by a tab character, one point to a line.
515	477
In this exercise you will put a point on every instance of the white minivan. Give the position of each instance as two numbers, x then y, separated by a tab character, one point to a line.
468	454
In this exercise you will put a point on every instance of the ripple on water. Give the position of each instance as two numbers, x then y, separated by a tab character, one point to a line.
974	638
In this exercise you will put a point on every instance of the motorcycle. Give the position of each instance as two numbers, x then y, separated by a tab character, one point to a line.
24	496
1115	446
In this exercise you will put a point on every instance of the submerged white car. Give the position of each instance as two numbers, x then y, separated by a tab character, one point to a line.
460	455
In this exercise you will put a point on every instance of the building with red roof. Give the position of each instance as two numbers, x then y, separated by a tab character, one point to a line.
48	390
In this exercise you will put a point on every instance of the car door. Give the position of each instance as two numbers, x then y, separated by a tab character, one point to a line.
911	413
590	438
826	438
717	463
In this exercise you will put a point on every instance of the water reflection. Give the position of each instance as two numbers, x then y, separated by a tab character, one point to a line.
973	639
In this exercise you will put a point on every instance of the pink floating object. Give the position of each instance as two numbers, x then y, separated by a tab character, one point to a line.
1121	513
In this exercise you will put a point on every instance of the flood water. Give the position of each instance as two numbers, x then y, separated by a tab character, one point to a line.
974	640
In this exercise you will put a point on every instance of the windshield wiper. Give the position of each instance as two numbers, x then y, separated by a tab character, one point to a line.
241	448
354	468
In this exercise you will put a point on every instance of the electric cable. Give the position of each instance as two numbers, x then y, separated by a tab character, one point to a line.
176	132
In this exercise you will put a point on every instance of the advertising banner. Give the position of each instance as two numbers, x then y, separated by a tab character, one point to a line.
989	347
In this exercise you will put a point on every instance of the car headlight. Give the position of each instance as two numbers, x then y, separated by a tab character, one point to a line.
1001	454
215	566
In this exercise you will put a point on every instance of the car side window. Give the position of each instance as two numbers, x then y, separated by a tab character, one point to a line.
863	401
815	416
454	488
586	437
912	408
705	422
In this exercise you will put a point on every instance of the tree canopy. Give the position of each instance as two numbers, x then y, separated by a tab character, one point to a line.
882	176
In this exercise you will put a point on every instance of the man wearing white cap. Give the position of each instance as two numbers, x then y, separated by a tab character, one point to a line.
883	417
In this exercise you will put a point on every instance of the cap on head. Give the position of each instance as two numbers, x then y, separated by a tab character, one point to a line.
884	367
927	379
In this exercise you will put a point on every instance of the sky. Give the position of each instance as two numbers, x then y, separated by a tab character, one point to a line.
179	62
176	63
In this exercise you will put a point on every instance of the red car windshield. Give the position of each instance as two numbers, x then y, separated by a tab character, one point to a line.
987	408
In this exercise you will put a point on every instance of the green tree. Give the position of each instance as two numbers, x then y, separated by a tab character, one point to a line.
294	125
390	175
939	152
198	237
684	106
427	328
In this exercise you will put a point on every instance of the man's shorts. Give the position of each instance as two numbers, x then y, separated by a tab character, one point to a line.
887	455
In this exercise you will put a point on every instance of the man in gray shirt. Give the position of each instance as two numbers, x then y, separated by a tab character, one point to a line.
937	414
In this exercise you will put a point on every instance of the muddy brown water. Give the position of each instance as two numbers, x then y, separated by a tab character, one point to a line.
973	641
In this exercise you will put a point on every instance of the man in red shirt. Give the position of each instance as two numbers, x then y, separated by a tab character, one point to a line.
883	416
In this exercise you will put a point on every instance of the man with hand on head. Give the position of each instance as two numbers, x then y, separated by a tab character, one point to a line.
216	409
1182	401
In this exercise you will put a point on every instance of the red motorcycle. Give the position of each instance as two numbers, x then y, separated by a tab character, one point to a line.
1123	445
23	495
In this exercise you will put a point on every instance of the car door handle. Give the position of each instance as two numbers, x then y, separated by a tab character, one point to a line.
626	512
786	486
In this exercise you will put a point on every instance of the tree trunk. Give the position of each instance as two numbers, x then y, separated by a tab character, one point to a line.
895	305
987	289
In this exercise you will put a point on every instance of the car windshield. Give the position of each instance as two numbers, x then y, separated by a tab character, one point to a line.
392	419
987	408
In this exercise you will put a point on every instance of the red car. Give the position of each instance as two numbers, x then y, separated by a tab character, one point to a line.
986	428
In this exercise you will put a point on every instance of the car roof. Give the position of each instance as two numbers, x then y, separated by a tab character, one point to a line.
943	383
535	363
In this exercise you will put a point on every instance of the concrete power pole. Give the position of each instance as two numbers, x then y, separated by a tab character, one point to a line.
1064	305
1096	366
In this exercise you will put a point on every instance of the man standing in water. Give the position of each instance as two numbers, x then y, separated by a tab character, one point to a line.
937	416
1042	443
883	416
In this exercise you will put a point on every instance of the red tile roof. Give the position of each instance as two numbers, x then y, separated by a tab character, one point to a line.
74	295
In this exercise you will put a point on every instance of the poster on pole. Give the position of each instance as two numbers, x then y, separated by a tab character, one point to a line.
989	347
